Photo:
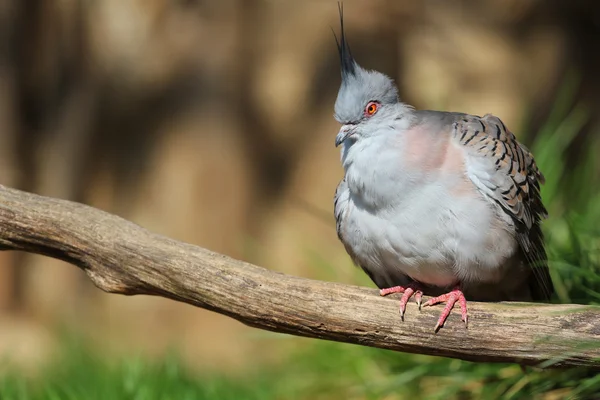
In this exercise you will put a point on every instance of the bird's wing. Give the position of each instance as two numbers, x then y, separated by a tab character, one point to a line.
505	171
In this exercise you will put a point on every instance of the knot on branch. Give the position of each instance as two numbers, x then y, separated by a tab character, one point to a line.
104	279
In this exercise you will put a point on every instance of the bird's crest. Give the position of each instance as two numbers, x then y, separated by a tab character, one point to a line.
347	63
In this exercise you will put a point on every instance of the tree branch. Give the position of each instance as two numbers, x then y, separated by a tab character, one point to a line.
121	257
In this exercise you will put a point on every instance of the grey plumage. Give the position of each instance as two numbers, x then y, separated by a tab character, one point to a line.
524	276
433	198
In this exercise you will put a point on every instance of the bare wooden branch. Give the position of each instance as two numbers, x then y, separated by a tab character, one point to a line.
121	257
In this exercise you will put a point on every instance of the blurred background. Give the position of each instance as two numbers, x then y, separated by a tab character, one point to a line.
212	122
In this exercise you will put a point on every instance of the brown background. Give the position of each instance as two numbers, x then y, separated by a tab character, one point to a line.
211	122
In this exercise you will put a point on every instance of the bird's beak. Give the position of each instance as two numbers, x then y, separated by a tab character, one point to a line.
345	131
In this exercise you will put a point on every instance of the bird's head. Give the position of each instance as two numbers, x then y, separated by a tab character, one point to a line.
366	99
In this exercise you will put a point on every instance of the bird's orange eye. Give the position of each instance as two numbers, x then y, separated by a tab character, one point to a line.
371	108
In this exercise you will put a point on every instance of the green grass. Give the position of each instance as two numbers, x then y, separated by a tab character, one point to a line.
322	370
326	370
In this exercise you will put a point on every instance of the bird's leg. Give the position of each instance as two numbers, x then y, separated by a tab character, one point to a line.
407	293
450	298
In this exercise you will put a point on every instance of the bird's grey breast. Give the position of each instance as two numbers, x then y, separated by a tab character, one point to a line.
406	207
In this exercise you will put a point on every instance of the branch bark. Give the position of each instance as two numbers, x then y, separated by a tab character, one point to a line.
121	257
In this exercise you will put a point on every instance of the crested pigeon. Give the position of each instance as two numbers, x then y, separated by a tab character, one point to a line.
445	204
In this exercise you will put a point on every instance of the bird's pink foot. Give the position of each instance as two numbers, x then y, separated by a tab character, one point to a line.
450	298
407	293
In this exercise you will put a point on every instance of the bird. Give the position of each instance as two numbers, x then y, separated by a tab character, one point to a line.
436	203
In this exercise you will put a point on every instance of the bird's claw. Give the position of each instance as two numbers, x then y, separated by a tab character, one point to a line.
418	298
450	298
407	293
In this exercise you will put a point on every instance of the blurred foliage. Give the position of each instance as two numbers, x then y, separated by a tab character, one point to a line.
326	370
572	195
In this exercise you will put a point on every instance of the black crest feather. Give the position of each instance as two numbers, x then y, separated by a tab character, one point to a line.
347	63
